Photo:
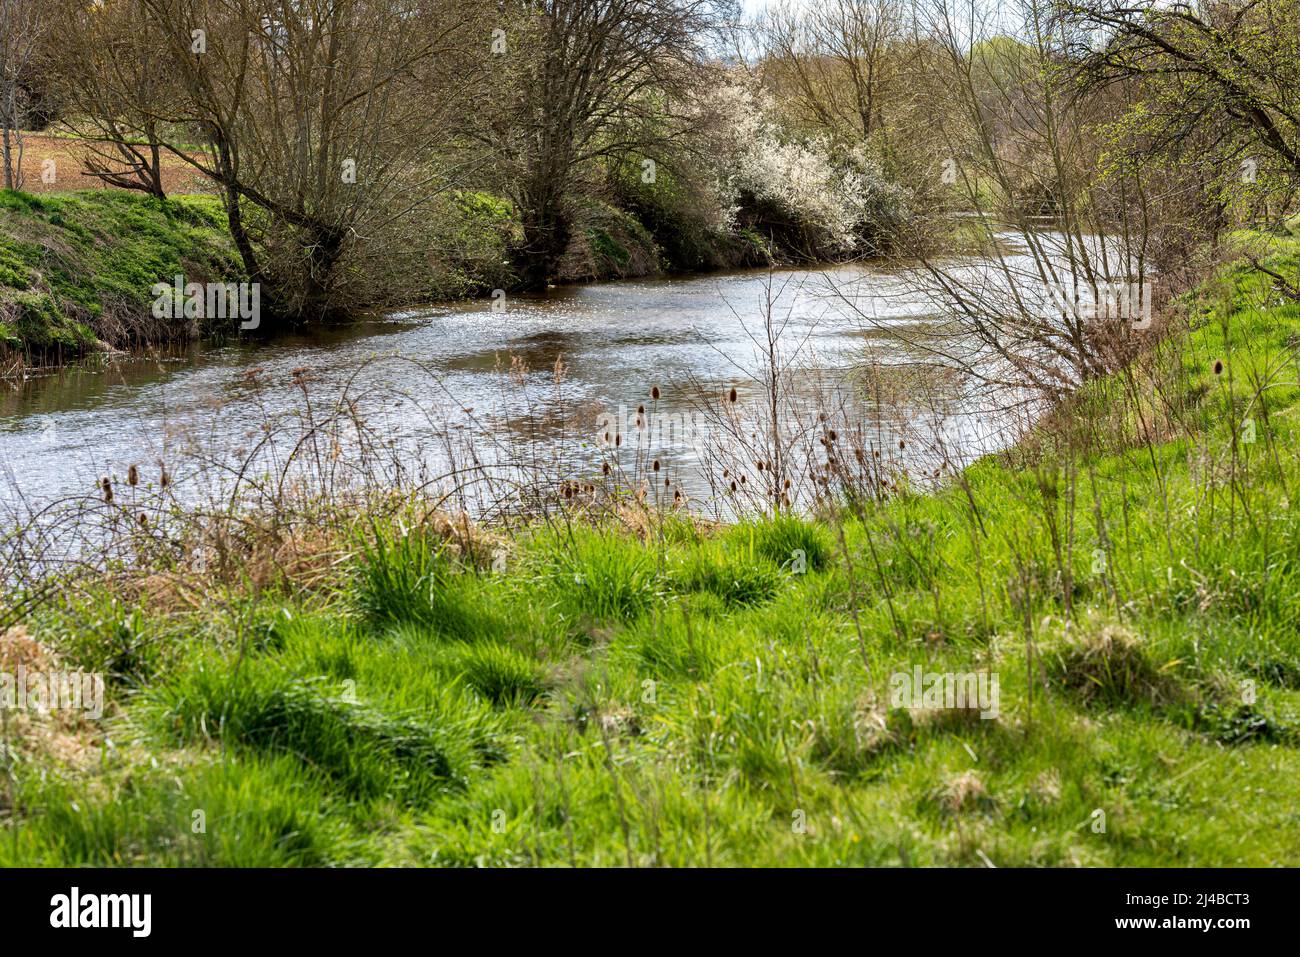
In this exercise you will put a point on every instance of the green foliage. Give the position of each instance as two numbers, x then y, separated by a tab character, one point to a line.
599	575
407	577
246	813
612	244
76	268
15	271
366	752
606	247
732	574
675	217
35	321
786	540
104	634
470	236
501	673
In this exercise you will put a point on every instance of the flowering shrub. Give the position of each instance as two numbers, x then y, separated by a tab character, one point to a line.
838	198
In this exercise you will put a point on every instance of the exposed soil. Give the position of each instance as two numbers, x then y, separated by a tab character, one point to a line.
69	173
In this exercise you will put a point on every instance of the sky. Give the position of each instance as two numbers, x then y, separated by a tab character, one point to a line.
1005	19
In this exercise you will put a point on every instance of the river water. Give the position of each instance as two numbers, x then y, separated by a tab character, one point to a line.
446	370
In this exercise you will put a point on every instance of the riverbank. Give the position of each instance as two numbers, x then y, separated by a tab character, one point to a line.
337	685
77	269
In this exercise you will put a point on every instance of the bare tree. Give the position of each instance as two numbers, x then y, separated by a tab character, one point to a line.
322	120
23	25
1071	240
837	60
114	82
582	79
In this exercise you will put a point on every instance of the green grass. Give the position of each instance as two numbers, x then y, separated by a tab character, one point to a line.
78	268
237	813
595	575
723	697
366	752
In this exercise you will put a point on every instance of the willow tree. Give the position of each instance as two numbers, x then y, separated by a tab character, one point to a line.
1219	82
578	80
320	121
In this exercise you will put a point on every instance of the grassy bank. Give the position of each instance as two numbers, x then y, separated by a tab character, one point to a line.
393	688
470	236
76	269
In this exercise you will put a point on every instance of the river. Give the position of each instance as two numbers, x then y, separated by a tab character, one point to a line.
439	371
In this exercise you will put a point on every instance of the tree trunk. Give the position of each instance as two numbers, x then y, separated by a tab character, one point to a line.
325	252
547	229
9	121
8	156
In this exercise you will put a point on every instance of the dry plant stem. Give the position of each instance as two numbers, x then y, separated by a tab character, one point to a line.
789	761
1148	439
1103	537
